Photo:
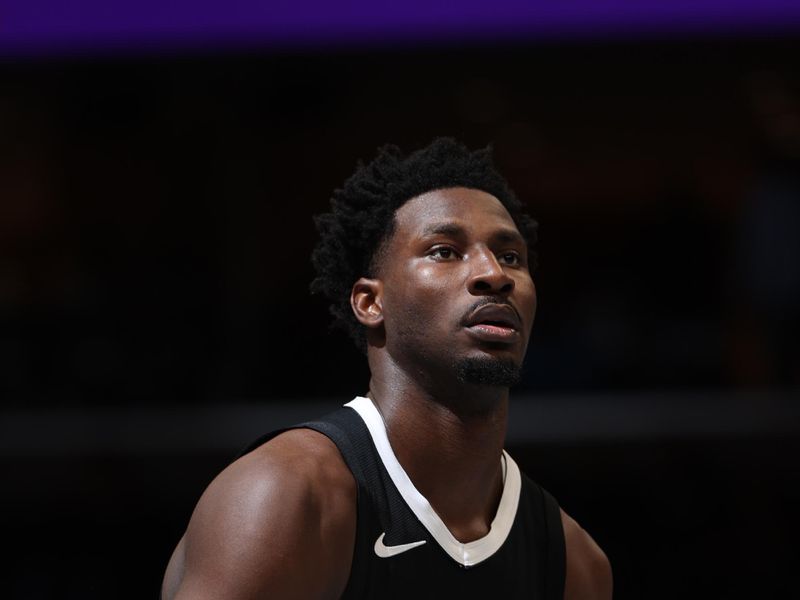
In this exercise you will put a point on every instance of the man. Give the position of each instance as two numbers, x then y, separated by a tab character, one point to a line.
406	491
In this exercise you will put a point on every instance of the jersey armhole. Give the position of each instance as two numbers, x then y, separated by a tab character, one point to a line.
556	561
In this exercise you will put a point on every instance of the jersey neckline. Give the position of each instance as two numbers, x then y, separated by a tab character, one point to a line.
466	554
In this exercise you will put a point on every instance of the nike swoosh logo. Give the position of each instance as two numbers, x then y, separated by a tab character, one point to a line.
384	551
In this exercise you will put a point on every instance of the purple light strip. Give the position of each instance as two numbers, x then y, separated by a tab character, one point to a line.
53	25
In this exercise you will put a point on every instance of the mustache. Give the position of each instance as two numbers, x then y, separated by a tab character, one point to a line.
487	300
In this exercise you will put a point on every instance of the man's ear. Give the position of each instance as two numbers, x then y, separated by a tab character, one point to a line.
366	298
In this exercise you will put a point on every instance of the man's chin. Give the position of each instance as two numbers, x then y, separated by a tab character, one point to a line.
488	370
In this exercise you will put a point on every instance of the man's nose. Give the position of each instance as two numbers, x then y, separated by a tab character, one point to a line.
488	275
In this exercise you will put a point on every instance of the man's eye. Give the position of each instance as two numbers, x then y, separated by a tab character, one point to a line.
510	258
442	253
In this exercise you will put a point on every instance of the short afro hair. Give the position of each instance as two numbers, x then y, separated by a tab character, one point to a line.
362	214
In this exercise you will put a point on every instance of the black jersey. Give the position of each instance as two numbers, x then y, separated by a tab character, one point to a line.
404	550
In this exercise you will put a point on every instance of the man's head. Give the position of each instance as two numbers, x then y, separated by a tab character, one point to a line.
376	233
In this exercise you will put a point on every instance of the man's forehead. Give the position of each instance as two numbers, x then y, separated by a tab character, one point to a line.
446	207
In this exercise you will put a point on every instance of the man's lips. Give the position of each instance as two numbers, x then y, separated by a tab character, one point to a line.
494	323
502	315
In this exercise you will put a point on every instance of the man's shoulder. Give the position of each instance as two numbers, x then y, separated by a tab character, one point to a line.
301	454
284	508
299	476
588	568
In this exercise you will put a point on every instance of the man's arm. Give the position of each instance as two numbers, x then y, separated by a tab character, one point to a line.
279	522
588	569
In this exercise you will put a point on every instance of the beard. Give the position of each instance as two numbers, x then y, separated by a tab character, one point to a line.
488	371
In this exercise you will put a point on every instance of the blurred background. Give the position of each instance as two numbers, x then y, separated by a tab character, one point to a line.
160	164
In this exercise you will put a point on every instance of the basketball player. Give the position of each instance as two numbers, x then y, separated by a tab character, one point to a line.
406	491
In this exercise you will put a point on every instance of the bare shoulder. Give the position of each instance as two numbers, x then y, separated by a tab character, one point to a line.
588	569
280	522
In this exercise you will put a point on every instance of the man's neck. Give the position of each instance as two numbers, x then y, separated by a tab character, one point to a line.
449	439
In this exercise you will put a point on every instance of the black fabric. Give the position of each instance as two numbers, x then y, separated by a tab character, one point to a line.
556	551
530	564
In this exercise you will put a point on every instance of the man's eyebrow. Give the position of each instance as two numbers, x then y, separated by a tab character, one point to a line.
446	228
452	229
508	236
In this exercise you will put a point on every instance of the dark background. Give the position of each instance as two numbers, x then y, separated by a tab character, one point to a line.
155	237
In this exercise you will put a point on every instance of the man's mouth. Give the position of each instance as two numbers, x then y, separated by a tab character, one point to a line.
494	323
493	333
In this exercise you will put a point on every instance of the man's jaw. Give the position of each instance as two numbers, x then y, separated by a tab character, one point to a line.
488	370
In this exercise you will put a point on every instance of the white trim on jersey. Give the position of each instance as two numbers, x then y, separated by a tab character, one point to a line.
470	553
